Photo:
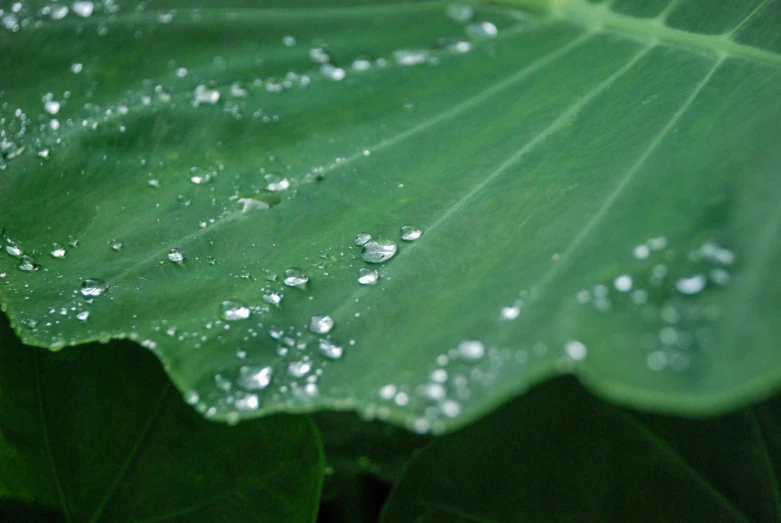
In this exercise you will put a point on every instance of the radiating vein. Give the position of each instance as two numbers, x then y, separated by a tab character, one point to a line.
132	453
444	116
738	28
622	184
49	451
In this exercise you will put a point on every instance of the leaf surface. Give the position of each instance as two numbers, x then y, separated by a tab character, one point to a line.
99	434
597	189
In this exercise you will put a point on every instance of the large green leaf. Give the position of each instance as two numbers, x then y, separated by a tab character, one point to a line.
581	151
99	434
558	454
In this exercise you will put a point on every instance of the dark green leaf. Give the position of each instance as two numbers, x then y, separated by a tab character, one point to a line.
580	152
99	434
558	454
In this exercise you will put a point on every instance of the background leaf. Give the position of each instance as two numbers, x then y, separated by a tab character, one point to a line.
598	193
558	454
99	434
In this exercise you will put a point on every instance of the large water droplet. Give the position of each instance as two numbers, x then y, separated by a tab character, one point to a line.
93	287
28	263
482	30
623	283
471	349
691	284
83	316
362	239
295	278
410	233
231	310
368	276
379	251
254	378
272	297
321	324
58	251
176	256
82	8
13	248
331	350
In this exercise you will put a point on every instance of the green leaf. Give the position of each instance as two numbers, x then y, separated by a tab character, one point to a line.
580	150
559	454
99	434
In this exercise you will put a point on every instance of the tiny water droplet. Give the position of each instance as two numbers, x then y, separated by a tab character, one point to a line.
192	398
691	284
482	30
295	278
450	408
231	310
275	183
368	276
471	349
205	95
321	324
52	107
330	349
623	283
175	255
198	176
332	72
575	350
93	287
387	392
288	41
379	251
408	57
642	252
272	297
116	245
319	55
247	403
362	239
510	313
83	316
410	233
254	378
28	263
460	13
13	248
58	251
299	369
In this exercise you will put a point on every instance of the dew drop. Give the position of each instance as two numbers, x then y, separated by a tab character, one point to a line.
368	276
362	239
13	248
251	204
254	378
460	13
192	398
321	324
471	349
93	287
299	369
482	30
691	284
58	251
623	283
319	55
331	350
378	251
272	297
231	310
295	278
247	403
176	256
332	72
575	350
510	313
116	245
52	107
205	95
450	408
410	233
276	183
83	9
198	176
83	316
387	392
408	57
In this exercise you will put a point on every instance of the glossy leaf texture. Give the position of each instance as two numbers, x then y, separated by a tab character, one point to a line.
596	186
99	434
559	454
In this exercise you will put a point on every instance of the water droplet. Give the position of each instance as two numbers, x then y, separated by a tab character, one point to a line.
332	72
321	324
83	316
198	176
719	276
434	391
299	369
288	41
471	349
642	252
623	283
231	310
408	57
254	378
205	95
192	398
52	107
482	30
76	68
176	256
247	403
272	297
319	55
575	350
362	239
657	244
58	251
691	284
387	392
460	13
368	276
116	245
28	263
251	204
510	313
93	287
83	9
410	233
13	248
331	350
295	278
715	253
378	251
361	64
657	361
276	183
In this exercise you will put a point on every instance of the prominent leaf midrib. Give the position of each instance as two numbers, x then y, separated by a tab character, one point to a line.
648	30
